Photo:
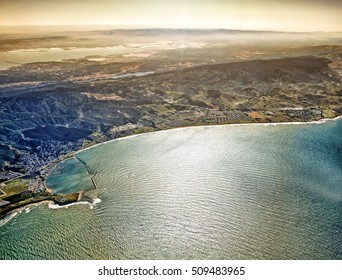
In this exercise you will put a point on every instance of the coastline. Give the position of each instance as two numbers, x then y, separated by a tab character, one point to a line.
51	200
57	199
74	154
5	218
320	121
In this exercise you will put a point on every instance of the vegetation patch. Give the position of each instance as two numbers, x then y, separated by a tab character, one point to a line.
13	187
328	113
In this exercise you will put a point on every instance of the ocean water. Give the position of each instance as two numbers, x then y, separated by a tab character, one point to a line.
222	192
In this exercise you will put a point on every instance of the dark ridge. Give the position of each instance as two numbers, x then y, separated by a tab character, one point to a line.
29	40
295	69
57	133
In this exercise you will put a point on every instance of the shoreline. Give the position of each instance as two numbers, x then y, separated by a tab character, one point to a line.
320	121
94	202
74	154
13	213
58	199
4	219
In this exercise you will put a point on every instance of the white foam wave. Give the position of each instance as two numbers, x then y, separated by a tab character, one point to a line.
8	217
96	201
90	204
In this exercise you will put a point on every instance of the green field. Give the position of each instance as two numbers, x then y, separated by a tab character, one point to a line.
12	187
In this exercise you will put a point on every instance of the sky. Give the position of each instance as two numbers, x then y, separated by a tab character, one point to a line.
277	15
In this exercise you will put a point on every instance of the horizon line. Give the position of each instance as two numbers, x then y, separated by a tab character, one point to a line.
137	27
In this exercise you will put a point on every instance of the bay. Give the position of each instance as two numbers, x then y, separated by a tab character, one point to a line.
16	57
222	192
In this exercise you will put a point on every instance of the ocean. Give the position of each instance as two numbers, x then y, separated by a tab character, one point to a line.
218	192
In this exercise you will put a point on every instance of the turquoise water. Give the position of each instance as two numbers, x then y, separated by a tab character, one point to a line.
223	192
78	178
